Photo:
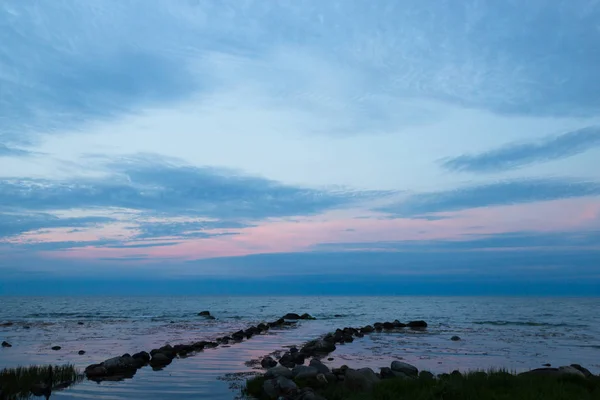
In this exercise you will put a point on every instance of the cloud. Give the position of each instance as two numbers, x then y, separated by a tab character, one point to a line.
7	151
518	155
95	60
186	229
159	188
13	224
470	242
492	194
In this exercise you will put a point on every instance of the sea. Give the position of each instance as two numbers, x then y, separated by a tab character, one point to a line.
515	333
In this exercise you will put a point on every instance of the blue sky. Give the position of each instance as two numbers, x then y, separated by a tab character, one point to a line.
445	144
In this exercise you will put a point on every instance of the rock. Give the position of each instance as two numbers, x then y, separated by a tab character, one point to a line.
405	368
426	375
398	324
26	327
293	349
298	358
417	324
287	361
204	313
160	360
210	317
581	369
119	364
95	371
142	355
455	338
367	329
387	373
330	359
318	347
6	344
278	371
270	389
81	352
7	324
304	372
547	365
568	370
285	385
262	327
322	368
338	316
362	379
388	326
542	371
80	323
268	362
456	373
239	335
307	316
56	348
291	316
378	326
322	379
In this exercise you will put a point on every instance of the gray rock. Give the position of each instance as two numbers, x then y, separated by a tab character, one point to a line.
322	368
583	370
455	338
417	324
568	370
405	368
361	380
270	389
278	371
119	364
286	385
304	372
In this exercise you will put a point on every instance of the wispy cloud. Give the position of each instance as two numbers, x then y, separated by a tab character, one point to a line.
13	223
518	155
492	194
7	151
162	189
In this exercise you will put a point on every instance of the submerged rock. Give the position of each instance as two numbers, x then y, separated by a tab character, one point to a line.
56	348
81	352
455	338
6	344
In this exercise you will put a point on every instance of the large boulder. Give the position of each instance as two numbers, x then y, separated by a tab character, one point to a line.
304	372
285	385
361	380
307	316
322	368
287	360
270	389
387	373
278	371
142	355
583	370
569	370
96	371
407	369
119	364
367	329
291	316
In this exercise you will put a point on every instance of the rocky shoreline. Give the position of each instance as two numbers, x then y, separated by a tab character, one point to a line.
126	365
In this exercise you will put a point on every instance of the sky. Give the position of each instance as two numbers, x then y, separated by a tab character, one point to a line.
300	146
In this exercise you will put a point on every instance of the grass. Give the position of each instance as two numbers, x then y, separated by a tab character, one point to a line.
16	383
495	385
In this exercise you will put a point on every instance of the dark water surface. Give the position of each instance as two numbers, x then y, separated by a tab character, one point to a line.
515	333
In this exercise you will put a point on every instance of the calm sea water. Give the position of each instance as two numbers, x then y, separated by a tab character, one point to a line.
515	333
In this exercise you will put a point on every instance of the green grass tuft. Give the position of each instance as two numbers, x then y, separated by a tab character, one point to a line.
16	383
